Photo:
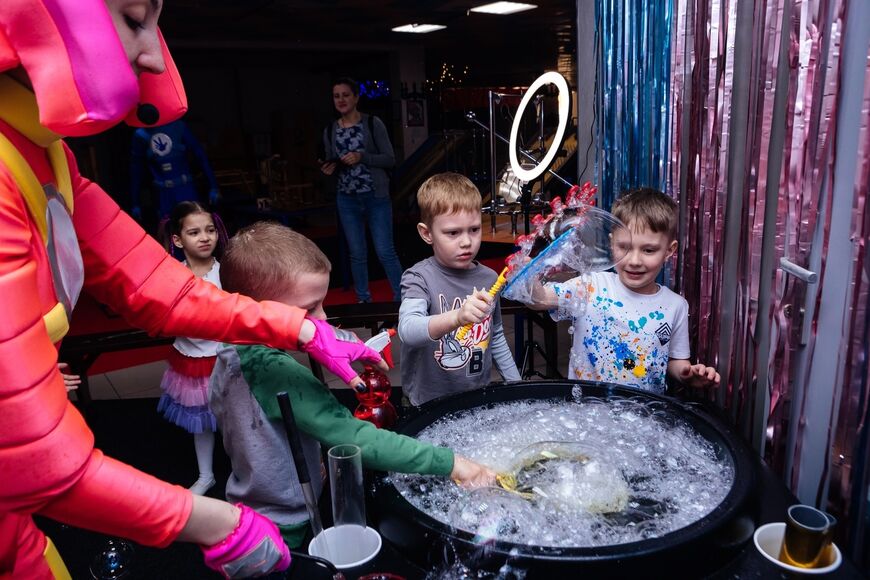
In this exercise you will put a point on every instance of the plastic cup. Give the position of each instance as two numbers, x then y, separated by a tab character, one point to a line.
350	545
346	485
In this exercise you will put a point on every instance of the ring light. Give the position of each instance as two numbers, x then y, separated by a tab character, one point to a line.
554	78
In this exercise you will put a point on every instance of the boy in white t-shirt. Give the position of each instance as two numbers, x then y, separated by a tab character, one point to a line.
631	331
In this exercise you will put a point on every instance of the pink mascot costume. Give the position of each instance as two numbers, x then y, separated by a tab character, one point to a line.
59	234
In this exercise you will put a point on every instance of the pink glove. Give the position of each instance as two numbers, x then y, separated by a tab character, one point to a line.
254	548
335	349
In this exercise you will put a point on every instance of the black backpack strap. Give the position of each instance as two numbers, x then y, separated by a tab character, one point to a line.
371	121
330	132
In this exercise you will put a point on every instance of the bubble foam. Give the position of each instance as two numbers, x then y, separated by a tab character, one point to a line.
674	475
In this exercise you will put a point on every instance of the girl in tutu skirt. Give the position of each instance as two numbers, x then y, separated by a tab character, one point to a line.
200	235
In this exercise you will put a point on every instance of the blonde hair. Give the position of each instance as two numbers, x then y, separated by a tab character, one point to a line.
649	208
447	193
264	259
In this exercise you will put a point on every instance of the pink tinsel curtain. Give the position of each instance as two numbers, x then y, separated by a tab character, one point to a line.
703	70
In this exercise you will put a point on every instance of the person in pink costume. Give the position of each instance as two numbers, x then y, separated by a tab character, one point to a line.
71	68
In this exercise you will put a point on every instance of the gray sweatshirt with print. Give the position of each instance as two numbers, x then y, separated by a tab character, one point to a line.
437	366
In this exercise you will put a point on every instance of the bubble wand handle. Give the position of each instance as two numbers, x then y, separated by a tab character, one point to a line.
298	456
494	289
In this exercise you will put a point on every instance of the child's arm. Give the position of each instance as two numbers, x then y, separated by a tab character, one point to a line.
501	352
467	473
475	309
679	366
543	296
698	375
414	310
318	413
417	328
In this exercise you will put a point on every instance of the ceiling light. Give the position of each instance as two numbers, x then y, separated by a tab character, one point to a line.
503	8
419	28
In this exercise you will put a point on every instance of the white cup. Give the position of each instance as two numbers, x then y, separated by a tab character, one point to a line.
349	545
768	540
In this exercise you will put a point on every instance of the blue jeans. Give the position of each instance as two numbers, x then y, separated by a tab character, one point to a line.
354	211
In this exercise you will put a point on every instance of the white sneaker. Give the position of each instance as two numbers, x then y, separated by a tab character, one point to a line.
202	485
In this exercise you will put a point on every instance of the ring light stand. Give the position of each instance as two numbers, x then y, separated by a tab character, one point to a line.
527	175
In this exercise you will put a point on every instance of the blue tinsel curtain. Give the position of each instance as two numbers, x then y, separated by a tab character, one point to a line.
634	39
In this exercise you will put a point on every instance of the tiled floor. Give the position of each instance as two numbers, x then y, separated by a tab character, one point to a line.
143	381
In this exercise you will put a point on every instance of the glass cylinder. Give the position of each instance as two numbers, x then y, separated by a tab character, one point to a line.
346	484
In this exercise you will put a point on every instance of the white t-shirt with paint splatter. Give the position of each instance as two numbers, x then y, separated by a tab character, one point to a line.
621	336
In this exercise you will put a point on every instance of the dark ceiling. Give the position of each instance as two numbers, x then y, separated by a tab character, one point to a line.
502	50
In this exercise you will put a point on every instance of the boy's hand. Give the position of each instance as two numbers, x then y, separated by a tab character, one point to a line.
327	167
543	297
476	308
699	375
467	473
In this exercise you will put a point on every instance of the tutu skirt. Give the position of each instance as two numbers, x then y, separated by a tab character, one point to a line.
185	392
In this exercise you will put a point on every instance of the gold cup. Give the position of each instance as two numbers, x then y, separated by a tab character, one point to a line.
808	534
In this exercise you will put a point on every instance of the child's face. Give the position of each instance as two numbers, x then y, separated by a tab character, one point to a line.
645	254
455	238
308	293
198	236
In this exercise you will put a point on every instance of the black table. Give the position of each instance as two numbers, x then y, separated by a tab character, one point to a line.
132	431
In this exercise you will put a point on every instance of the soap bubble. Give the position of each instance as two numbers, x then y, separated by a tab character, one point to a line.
574	239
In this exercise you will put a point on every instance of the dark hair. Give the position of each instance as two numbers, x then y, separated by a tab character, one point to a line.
354	86
172	226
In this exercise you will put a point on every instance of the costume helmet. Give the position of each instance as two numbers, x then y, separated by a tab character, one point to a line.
80	74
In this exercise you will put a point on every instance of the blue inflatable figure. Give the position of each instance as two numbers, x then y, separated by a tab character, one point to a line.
166	150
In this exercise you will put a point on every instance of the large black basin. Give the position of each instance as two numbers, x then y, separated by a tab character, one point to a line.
690	551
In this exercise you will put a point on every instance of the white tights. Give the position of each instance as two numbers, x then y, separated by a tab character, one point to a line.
203	443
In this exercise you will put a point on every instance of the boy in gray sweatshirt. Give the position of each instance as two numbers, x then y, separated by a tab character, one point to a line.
443	293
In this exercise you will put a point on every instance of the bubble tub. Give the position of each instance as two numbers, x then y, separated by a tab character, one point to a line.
611	481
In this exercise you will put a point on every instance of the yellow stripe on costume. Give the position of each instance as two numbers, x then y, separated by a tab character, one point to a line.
18	108
27	183
56	323
54	561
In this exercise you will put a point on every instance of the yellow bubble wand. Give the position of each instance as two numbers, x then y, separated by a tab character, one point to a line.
495	289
